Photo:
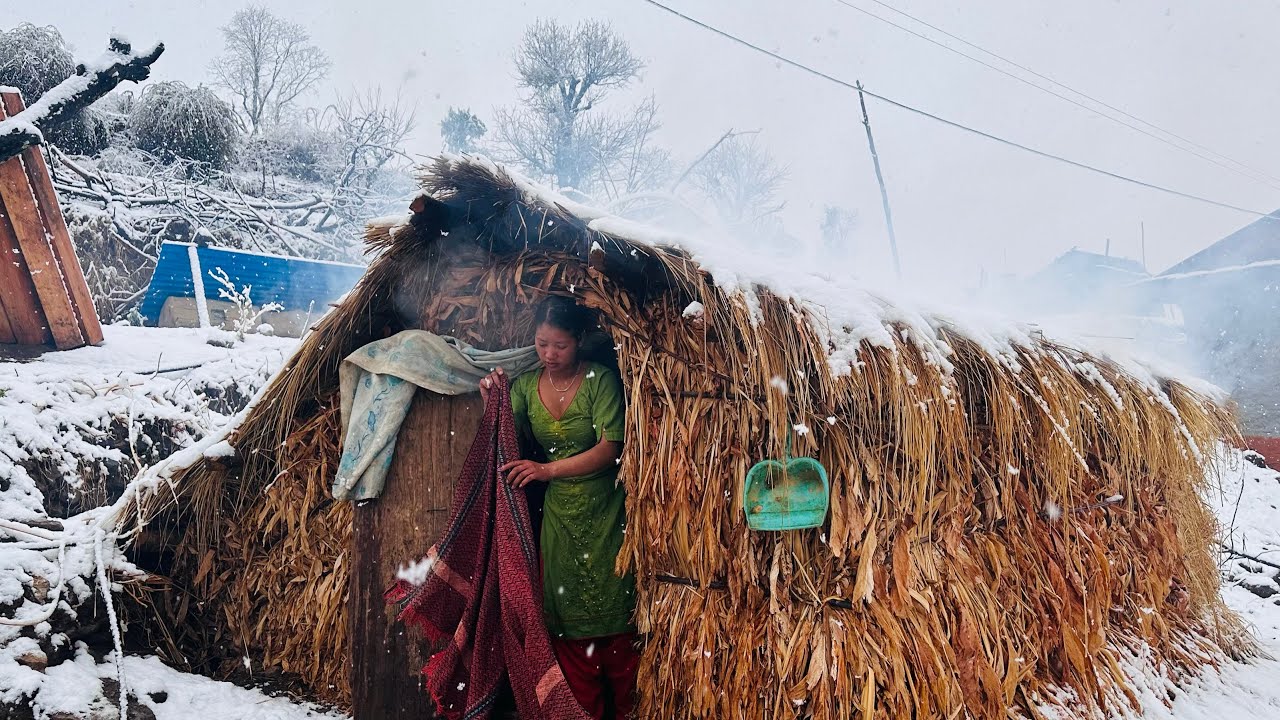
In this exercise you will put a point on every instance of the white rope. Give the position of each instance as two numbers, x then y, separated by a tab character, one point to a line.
105	586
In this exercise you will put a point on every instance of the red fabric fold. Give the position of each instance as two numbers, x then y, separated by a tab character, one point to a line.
483	591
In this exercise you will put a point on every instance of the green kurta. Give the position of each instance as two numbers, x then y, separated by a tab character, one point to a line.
583	517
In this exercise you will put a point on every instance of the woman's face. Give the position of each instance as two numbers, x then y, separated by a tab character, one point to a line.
557	348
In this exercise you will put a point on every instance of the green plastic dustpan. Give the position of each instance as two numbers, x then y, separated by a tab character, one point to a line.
787	494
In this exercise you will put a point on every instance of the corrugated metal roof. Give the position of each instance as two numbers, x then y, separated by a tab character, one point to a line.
293	282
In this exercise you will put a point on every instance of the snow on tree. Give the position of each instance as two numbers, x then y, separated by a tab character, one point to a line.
370	132
299	150
641	165
35	60
173	120
742	180
460	130
267	64
88	83
558	132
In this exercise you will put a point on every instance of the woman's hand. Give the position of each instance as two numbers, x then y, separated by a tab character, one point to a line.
489	382
523	472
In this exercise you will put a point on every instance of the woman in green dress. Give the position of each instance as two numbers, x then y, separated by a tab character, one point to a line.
573	410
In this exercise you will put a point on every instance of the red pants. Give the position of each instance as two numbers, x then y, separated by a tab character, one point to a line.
600	670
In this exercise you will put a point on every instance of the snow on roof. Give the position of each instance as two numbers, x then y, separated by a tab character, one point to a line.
1260	265
845	311
1257	241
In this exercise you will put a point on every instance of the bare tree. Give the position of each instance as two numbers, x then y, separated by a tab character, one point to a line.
837	225
558	132
371	130
267	64
741	179
641	165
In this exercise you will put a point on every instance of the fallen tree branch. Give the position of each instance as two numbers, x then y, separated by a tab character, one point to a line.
265	223
1247	556
313	201
89	178
105	197
126	237
73	94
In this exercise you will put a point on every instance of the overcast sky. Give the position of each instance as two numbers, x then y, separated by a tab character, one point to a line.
961	203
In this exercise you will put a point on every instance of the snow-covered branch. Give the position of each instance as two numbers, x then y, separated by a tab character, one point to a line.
89	83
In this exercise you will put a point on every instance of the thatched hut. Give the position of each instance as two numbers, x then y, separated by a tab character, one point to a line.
1012	521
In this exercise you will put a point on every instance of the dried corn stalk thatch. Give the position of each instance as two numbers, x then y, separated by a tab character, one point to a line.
1004	527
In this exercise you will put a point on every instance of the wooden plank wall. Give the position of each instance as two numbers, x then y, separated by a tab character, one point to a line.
392	531
44	298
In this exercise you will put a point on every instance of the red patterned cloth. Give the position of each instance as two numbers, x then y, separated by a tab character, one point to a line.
483	592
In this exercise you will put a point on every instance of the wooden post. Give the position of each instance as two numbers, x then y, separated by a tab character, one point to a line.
63	250
43	293
884	194
392	531
18	291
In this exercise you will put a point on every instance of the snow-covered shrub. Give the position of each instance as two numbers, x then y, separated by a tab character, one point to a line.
34	60
174	120
247	319
296	150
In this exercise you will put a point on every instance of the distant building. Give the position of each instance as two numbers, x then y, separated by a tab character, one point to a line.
1078	281
304	288
1229	298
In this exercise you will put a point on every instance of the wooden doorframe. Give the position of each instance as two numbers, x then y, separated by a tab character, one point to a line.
392	531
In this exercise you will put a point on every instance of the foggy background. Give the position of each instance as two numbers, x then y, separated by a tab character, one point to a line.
961	204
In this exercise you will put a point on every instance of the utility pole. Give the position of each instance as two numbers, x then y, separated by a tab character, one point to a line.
884	194
1142	229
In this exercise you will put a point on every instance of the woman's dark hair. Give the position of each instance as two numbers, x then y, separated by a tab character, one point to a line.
565	314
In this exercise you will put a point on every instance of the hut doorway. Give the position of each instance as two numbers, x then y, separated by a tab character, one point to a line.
400	525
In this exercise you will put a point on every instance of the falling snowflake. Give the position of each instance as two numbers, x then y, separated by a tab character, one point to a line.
1052	510
778	383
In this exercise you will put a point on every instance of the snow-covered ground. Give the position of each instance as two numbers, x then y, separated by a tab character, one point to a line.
75	427
1248	506
169	694
53	405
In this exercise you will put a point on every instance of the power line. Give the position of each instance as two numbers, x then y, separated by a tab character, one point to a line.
1082	94
1252	174
951	123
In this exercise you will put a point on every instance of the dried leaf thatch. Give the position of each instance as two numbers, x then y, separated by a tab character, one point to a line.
1001	529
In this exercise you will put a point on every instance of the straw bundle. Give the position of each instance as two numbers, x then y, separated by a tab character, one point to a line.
973	561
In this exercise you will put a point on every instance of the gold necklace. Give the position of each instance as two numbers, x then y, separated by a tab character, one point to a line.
552	381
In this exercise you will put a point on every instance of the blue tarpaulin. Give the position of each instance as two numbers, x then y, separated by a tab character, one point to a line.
295	283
